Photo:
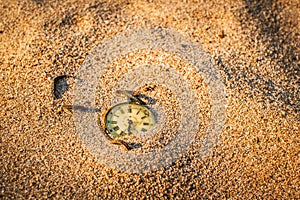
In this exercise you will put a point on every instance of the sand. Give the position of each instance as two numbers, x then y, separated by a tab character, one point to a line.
253	45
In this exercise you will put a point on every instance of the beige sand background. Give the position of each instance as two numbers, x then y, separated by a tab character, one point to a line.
255	45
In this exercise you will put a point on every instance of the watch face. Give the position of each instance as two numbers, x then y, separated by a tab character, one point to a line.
129	118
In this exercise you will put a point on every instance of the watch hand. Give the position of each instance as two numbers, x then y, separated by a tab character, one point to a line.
130	122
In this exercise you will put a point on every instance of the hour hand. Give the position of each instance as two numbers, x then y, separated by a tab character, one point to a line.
131	127
130	122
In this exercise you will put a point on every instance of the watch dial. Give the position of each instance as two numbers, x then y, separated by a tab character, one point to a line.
129	118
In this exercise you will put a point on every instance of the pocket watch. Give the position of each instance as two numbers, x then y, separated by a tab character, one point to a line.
128	118
123	119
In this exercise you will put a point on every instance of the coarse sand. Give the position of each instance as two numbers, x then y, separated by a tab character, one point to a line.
255	46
